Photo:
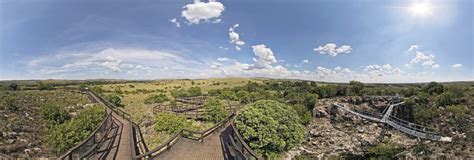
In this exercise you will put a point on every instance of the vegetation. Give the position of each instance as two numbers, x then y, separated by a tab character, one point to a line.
114	99
385	150
270	127
214	111
44	86
54	114
67	134
156	98
9	102
170	123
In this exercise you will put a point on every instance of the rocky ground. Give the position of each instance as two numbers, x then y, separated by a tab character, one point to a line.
22	130
336	133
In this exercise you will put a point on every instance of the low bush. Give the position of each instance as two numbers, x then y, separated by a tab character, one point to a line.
53	114
114	99
64	136
385	150
303	113
9	103
160	98
214	111
170	123
446	99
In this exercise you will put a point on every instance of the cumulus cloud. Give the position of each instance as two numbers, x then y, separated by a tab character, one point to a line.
332	49
381	70
426	60
305	61
456	65
174	21
203	11
264	56
112	63
235	38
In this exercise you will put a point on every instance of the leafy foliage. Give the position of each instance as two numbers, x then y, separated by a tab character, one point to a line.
356	87
114	99
214	111
13	86
44	86
179	93
446	99
303	113
385	150
433	88
64	136
54	114
156	98
194	91
170	123
270	127
10	102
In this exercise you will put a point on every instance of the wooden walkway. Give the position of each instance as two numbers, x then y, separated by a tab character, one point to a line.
209	149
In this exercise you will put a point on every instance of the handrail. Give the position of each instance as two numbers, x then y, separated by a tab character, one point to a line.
90	137
244	145
181	134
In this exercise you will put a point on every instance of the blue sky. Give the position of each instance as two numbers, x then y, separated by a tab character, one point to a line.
337	40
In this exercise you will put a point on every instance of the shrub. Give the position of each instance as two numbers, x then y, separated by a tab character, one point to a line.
54	114
64	136
385	150
9	102
270	127
446	99
160	98
214	111
13	86
425	114
194	91
303	113
114	99
170	123
179	93
44	86
458	111
433	88
356	87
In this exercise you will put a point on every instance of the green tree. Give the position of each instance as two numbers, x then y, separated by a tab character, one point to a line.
270	127
433	88
170	123
44	86
356	87
214	111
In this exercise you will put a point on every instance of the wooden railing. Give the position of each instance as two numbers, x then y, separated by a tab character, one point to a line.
238	144
185	133
91	143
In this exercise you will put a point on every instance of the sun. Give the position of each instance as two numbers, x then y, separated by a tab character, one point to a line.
421	9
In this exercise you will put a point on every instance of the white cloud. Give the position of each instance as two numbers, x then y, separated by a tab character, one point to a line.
381	70
306	61
235	38
202	11
427	60
264	56
112	63
174	21
412	47
332	50
456	65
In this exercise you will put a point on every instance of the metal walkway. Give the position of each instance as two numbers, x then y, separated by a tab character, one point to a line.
399	124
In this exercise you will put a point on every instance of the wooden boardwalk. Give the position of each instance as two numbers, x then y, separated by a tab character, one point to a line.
184	149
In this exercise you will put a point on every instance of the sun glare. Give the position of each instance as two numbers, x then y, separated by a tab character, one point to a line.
421	9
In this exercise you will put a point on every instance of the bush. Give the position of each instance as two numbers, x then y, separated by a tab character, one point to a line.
170	123
425	114
160	98
54	114
303	113
385	150
114	99
458	111
433	88
270	127
64	136
214	111
356	87
9	102
179	93
194	91
13	86
446	99
44	86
